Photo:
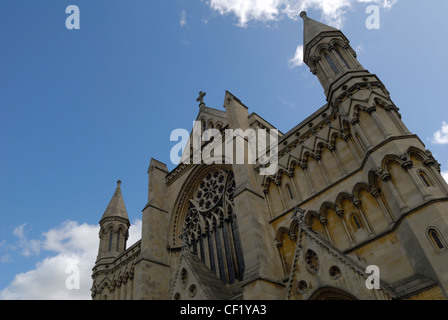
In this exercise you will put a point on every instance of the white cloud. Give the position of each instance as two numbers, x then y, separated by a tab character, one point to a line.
29	247
441	136
245	10
359	49
332	11
297	60
135	232
183	19
286	103
5	259
76	246
445	175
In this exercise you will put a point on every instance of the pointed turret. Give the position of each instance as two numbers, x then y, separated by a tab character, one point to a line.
313	29
116	207
114	227
327	52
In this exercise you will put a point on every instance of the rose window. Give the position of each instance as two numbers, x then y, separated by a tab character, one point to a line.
210	226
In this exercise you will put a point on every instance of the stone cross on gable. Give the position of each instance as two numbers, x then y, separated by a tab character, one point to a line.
200	99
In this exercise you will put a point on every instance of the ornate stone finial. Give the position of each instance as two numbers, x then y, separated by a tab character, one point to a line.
200	99
303	14
118	183
298	214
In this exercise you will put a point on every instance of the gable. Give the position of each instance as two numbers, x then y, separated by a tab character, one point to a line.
320	271
194	281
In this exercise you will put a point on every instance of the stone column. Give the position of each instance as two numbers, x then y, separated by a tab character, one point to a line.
365	138
338	159
350	237
309	179
353	148
393	113
123	290
296	187
358	204
372	112
268	202
386	177
337	59
130	291
376	193
408	165
324	222
322	168
431	164
280	192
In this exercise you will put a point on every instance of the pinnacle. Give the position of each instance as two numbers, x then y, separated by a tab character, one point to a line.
116	207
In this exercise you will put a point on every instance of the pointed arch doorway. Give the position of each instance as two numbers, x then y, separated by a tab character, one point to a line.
329	293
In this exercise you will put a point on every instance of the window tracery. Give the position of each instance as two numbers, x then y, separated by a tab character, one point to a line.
210	226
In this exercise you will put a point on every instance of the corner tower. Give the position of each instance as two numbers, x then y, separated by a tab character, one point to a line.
114	229
328	53
393	172
348	87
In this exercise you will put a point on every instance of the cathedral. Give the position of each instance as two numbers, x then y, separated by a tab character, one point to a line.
356	210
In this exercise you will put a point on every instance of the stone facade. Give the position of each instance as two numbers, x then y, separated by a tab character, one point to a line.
354	189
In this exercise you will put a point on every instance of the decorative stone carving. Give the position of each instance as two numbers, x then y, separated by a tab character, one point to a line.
335	272
302	287
192	290
210	227
312	261
210	191
184	278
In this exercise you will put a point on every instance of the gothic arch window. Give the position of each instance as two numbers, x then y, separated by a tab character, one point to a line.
342	58
118	240
291	196
437	241
425	179
111	239
356	222
331	63
184	278
210	226
204	133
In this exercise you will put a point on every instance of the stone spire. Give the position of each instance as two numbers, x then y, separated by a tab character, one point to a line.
114	228
116	207
327	51
312	31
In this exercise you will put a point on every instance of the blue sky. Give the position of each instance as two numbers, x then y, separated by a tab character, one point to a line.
80	109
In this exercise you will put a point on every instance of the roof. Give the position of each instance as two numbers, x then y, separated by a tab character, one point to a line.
116	207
